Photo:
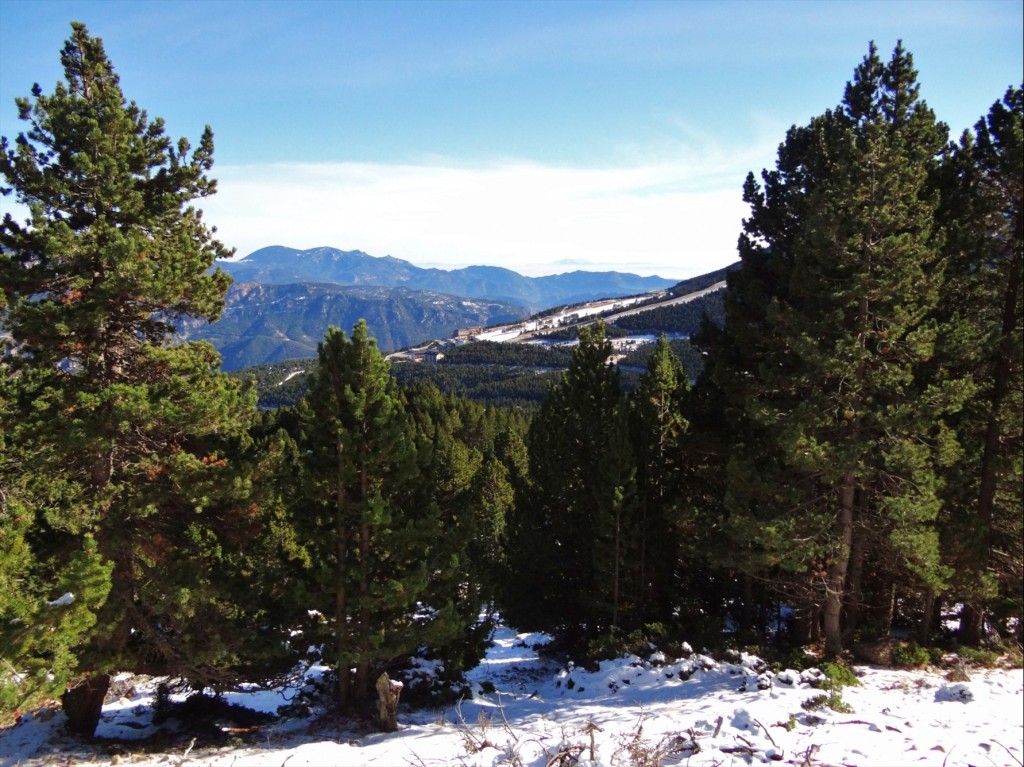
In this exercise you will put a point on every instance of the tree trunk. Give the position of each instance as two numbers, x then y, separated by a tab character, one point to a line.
362	680
924	631
83	704
645	587
972	623
806	616
341	636
836	585
885	629
615	569
854	594
388	692
747	611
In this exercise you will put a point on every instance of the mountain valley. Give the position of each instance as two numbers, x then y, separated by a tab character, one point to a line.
283	300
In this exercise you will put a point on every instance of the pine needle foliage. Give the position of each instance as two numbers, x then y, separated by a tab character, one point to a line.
123	481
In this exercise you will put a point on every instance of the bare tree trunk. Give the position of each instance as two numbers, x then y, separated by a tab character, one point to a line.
854	596
388	692
890	612
814	624
341	634
836	584
747	611
972	623
924	631
362	680
83	704
806	622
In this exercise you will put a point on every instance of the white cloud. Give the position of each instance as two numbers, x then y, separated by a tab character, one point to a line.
676	218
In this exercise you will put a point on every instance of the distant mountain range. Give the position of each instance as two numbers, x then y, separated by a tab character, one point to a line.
283	300
278	265
270	323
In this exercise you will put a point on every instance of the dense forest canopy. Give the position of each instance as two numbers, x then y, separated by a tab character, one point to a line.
839	445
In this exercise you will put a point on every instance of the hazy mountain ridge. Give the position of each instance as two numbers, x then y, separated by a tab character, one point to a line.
264	323
279	265
283	300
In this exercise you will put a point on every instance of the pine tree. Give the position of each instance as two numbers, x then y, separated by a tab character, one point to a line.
567	542
844	442
658	428
708	592
982	317
130	440
454	437
368	540
747	482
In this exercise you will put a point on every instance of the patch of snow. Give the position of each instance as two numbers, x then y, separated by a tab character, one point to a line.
960	692
290	376
525	709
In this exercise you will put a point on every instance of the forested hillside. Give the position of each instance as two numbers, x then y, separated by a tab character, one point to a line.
272	323
702	281
516	374
845	471
506	375
682	319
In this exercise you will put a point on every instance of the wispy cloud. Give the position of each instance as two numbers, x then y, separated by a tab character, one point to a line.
675	218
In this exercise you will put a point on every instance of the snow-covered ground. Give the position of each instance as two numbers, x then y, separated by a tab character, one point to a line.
632	711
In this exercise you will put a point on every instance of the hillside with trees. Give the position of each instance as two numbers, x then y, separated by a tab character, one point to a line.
262	324
843	476
679	319
702	281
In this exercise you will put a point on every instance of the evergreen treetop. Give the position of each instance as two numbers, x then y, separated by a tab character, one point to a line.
125	449
111	252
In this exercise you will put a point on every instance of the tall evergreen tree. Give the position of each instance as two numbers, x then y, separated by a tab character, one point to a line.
658	427
982	317
368	540
131	441
746	477
567	543
467	494
844	440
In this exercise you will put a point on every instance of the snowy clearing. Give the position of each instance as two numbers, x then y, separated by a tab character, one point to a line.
631	711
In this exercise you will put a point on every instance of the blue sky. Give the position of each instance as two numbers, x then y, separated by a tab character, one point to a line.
541	136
